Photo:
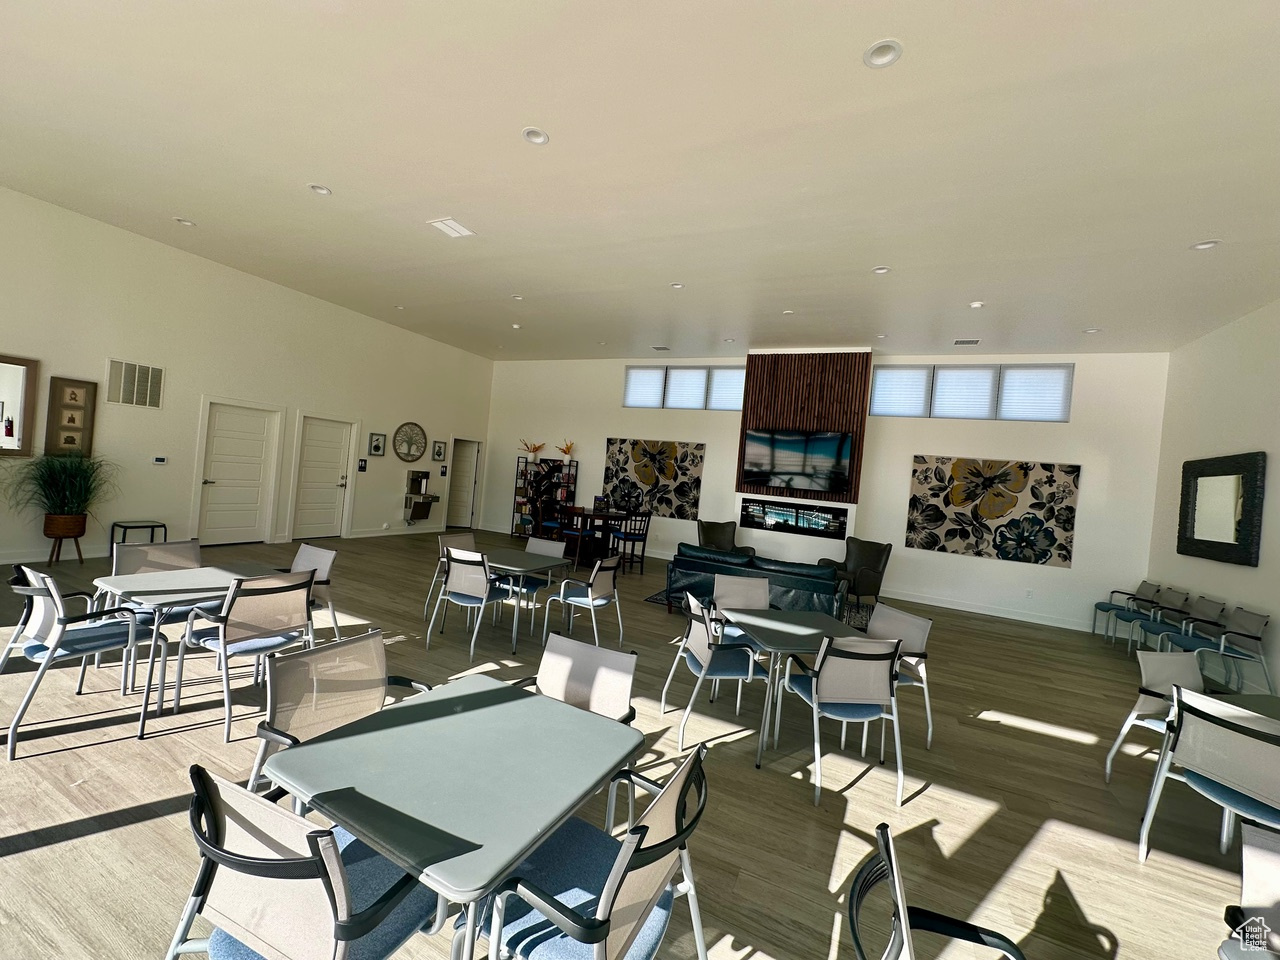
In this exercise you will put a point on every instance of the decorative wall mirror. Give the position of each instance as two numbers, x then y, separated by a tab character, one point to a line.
18	400
1221	515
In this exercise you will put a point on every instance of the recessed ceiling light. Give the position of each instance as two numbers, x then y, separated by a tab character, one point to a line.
880	270
881	336
882	54
451	227
320	188
184	221
1205	244
1093	330
677	286
601	343
535	136
515	326
728	339
787	313
516	296
661	349
399	307
976	304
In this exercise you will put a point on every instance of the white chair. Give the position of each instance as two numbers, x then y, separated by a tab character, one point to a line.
461	541
51	635
1160	671
310	692
853	681
890	623
708	658
739	593
1227	753
1259	897
320	561
468	584
259	616
274	884
600	590
588	677
526	587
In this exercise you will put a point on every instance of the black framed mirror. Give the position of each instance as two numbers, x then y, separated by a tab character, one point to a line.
1221	514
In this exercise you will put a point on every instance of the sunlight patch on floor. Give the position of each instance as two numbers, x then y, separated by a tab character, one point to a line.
1031	725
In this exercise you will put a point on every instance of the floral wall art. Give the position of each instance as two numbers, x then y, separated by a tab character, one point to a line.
662	476
999	509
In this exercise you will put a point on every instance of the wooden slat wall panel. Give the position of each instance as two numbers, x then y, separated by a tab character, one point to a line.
810	392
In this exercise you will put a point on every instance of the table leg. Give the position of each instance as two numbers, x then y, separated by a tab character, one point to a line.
768	700
515	620
156	640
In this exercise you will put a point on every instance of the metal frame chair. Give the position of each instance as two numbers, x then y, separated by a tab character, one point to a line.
731	592
1239	624
259	616
320	561
1171	599
599	590
1228	754
1146	593
709	658
462	541
588	677
628	886
49	634
1174	622
882	865
853	680
890	623
310	692
529	586
279	885
468	584
1160	671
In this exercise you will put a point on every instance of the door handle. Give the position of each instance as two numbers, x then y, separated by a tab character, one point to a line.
343	484
205	483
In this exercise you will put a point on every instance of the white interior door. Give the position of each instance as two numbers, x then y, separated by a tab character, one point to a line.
322	479
462	483
238	453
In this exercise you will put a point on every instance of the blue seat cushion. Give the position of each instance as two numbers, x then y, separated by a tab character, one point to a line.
580	597
1103	606
370	875
1158	627
1129	616
208	638
531	584
1242	803
623	535
1191	642
82	640
173	615
725	664
735	634
496	593
803	684
572	865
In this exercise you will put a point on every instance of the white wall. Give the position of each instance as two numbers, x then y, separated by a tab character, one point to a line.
77	291
1223	398
1114	434
581	400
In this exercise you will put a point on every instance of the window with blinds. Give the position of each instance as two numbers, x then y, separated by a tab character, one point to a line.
1035	392
134	384
684	388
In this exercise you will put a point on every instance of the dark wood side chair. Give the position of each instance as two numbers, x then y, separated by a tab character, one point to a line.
574	529
633	532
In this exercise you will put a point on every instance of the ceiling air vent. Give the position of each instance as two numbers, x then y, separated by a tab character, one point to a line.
661	349
967	343
451	227
134	384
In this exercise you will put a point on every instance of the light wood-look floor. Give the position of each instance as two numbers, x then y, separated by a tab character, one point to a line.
1007	819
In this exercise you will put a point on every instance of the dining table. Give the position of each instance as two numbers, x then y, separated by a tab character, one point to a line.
460	784
780	633
160	591
520	565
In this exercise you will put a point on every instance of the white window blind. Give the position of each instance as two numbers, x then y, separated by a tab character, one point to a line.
644	386
1036	392
727	384
901	391
965	392
686	388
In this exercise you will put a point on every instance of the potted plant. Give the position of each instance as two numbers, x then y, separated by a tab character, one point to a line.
65	486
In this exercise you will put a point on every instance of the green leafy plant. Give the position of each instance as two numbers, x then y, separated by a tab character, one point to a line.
62	484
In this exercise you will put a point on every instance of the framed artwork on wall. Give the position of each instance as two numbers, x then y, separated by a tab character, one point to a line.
377	444
438	449
70	423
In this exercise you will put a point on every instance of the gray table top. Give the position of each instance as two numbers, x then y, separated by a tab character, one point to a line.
164	588
1264	704
1234	674
522	561
789	631
458	785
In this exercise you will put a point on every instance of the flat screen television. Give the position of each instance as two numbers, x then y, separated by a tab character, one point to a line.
795	460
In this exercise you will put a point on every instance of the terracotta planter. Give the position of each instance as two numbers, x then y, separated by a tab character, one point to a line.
67	526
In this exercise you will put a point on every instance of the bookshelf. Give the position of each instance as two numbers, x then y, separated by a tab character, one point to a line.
563	489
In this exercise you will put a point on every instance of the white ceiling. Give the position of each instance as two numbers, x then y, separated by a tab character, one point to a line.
1054	159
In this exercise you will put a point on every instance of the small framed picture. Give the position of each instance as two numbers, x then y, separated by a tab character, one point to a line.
69	428
377	444
438	448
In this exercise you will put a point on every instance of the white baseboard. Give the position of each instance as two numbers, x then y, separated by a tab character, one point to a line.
398	532
990	610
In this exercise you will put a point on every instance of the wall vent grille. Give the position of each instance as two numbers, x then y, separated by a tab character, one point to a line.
967	343
134	384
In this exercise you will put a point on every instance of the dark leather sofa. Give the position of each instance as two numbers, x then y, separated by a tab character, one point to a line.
792	586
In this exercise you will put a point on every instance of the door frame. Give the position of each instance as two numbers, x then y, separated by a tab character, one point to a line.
273	459
348	497
477	495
